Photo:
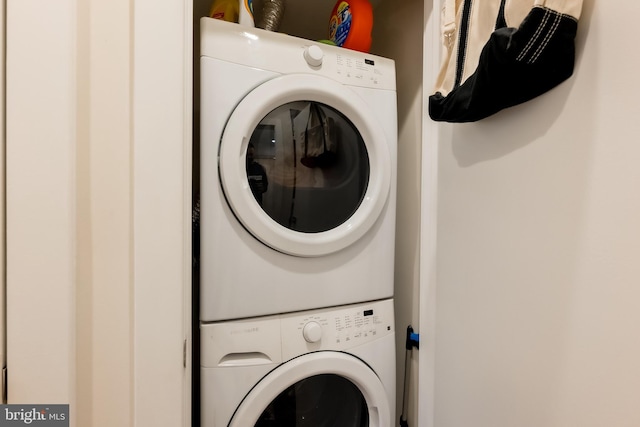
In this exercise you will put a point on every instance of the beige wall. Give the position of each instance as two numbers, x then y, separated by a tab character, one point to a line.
538	236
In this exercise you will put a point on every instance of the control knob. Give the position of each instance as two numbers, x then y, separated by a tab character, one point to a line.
312	332
313	55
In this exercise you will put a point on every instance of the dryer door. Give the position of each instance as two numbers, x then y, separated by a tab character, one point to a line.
305	165
317	389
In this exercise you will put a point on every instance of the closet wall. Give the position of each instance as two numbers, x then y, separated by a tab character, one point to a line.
538	236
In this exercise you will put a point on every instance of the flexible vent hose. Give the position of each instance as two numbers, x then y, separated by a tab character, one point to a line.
272	12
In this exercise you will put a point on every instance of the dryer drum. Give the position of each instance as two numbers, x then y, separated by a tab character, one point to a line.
309	183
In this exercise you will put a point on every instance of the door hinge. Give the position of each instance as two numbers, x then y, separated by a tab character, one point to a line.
184	354
4	385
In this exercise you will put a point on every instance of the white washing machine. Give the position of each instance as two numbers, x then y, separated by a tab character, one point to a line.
297	174
320	368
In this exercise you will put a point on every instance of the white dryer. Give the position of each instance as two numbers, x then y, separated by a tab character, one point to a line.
321	368
297	174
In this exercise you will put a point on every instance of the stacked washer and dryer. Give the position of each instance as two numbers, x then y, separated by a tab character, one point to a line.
297	225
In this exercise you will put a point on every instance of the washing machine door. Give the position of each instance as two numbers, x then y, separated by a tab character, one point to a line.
323	389
305	165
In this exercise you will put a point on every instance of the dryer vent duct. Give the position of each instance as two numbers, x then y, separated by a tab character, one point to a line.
272	12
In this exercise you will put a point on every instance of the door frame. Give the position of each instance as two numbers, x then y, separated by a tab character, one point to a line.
162	163
428	220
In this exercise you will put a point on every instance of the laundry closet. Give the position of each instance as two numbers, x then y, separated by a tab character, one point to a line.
262	259
106	176
537	231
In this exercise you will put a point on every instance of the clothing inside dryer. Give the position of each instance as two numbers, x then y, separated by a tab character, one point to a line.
307	166
325	400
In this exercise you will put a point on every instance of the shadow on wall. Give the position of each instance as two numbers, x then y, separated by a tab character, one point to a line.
509	130
516	127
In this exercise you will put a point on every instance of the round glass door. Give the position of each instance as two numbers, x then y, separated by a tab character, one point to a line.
307	166
319	401
304	165
317	389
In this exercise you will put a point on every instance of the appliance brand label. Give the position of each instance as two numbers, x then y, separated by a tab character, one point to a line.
252	330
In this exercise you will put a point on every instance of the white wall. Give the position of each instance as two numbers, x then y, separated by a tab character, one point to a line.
538	277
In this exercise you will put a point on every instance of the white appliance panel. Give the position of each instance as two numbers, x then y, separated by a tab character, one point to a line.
247	363
242	274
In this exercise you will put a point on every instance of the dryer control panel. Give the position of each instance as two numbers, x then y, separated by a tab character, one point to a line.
281	53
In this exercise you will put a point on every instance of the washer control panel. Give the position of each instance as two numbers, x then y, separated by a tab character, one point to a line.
338	328
274	339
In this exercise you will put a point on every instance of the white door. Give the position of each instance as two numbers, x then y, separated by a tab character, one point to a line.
304	165
317	389
3	358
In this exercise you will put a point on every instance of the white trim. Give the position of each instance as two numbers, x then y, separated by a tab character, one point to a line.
161	210
428	227
187	188
3	282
